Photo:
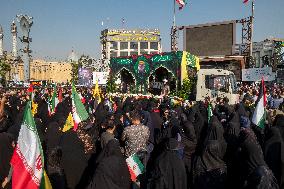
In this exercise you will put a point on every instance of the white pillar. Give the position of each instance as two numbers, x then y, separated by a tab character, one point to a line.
118	48
128	50
138	48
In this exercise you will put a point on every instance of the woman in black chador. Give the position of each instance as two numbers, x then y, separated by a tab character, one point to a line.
111	171
169	169
254	170
209	170
274	154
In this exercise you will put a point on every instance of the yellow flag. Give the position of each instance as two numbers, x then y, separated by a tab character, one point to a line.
45	182
184	74
69	123
197	63
96	92
34	108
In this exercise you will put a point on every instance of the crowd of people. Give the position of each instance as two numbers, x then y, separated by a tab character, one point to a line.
180	144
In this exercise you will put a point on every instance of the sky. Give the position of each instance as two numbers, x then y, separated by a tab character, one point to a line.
62	25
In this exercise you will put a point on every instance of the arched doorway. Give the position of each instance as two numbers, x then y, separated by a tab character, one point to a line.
127	81
158	78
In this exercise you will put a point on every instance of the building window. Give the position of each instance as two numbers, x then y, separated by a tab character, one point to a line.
123	53
154	45
144	45
113	54
113	45
143	52
123	45
217	83
133	53
134	45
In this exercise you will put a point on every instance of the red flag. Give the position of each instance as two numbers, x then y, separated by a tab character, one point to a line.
245	1
30	89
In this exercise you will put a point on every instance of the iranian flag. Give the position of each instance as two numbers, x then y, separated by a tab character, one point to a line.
27	160
79	111
259	112
135	166
181	3
54	100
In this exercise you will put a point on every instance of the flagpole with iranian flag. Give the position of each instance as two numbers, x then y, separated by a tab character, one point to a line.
28	161
79	112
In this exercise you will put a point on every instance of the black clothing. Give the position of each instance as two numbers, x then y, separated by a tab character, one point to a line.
53	136
215	131
274	154
279	122
111	171
189	142
256	173
6	152
169	171
74	160
209	170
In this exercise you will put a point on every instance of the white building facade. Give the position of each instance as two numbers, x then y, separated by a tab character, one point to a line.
116	43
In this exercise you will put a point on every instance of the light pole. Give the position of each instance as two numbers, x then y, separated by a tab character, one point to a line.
251	28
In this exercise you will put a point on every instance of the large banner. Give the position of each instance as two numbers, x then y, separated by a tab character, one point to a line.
256	74
85	77
101	77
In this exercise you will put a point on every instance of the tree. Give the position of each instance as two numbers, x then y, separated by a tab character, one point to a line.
4	69
111	86
74	72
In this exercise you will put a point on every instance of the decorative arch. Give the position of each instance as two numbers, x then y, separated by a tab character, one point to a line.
142	67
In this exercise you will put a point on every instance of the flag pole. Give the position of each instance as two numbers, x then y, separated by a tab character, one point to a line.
174	22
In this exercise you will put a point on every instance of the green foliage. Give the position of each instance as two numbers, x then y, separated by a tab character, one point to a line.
74	72
187	88
4	69
111	86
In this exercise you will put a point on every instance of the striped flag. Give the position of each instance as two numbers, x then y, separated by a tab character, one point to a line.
181	3
27	160
79	111
135	166
259	112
